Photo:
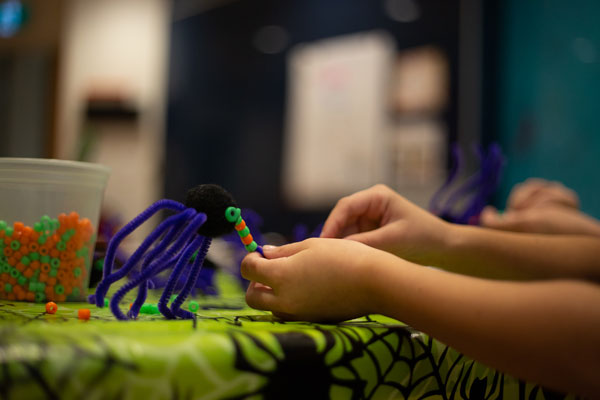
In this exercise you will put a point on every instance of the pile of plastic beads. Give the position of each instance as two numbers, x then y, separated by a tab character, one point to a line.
46	262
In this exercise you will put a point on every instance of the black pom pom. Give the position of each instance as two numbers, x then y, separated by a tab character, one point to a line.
212	200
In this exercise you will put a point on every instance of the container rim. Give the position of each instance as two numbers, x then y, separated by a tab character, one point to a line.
52	162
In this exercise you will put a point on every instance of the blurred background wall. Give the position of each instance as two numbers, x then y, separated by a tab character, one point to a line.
275	99
543	91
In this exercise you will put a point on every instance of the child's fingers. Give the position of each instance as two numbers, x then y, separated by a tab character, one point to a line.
272	252
260	297
345	213
522	193
509	221
259	269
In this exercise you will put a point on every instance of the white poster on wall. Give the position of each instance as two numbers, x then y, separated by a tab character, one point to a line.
336	137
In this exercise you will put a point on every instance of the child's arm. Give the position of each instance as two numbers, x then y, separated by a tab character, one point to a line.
508	255
546	332
381	218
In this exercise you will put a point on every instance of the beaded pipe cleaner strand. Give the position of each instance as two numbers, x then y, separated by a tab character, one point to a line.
209	211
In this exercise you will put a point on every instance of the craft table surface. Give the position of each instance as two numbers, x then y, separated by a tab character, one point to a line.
232	351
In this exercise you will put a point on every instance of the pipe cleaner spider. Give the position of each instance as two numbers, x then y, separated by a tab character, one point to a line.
209	211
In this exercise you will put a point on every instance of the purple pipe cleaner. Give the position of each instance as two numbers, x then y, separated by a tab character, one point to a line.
466	202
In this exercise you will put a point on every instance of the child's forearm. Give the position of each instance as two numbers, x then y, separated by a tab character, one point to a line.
546	332
508	255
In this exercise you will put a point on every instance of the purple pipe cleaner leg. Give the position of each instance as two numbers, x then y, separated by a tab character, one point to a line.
155	268
191	281
150	259
109	279
181	263
133	225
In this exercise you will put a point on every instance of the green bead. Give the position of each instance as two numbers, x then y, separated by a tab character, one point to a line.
25	260
6	268
76	271
81	252
76	292
38	227
61	246
53	272
244	232
106	302
232	214
55	224
14	272
251	247
145	309
99	264
15	245
153	309
22	280
45	259
193	306
3	258
32	286
59	289
7	287
40	297
55	263
3	225
45	219
9	231
34	256
42	239
239	220
173	297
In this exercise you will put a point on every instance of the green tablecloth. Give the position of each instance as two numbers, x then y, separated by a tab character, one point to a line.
231	351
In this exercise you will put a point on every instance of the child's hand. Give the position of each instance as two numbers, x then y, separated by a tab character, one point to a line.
535	192
315	280
550	220
381	218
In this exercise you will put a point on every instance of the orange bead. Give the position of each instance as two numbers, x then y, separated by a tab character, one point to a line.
28	273
30	296
21	267
51	307
45	267
35	265
60	297
43	277
240	226
61	275
18	226
54	253
51	281
33	246
83	313
8	251
44	250
247	239
12	261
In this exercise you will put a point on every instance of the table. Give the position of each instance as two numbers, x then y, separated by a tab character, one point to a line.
231	351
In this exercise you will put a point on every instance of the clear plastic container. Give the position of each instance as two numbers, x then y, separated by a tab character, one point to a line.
49	211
